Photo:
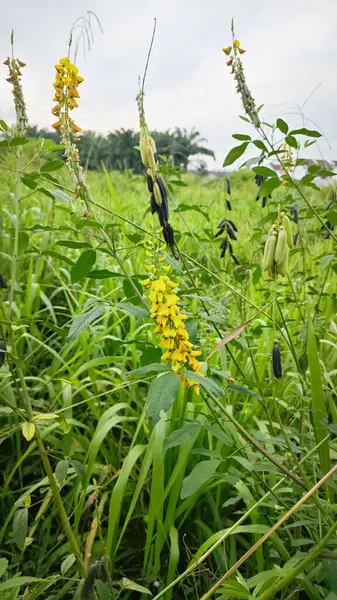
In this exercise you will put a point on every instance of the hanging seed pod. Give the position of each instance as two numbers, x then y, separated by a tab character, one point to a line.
228	186
287	227
264	202
228	204
149	180
163	213
276	361
294	214
281	246
231	232
282	268
269	252
233	225
257	197
156	193
153	204
161	187
169	239
3	282
223	247
295	238
236	260
2	352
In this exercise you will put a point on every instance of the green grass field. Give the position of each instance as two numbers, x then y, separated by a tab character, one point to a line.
168	415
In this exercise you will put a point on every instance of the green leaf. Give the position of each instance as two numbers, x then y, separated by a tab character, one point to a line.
61	472
269	186
201	473
332	216
83	321
3	125
241	389
71	244
219	434
137	311
16	582
83	265
152	368
52	165
326	260
318	407
130	292
127	584
102	274
305	131
291	141
67	563
260	145
330	573
241	137
206	382
18	141
20	524
162	393
234	589
182	436
234	154
265	171
282	126
57	255
3	561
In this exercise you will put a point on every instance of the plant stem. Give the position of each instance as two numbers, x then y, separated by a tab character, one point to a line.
16	234
231	529
272	530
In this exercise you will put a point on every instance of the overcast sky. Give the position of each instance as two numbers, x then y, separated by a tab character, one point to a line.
291	49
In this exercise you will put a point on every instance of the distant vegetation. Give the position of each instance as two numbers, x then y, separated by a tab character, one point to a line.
118	149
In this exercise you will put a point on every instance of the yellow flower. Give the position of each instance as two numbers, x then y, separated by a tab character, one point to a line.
236	44
171	328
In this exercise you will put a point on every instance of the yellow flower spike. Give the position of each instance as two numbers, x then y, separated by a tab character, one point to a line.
65	61
236	44
149	268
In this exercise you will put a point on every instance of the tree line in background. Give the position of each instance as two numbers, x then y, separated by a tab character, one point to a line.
118	149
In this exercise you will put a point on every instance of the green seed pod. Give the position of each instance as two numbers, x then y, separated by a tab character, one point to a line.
151	161
272	230
157	194
276	361
287	227
2	352
282	268
268	255
153	145
281	246
143	151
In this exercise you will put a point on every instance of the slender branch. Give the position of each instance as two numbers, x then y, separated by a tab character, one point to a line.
271	592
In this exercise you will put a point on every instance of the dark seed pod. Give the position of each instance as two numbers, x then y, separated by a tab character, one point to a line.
2	352
294	214
228	186
3	282
295	238
264	202
220	232
149	183
228	204
276	361
163	212
153	204
236	260
230	248
162	187
169	239
257	197
231	233
223	247
233	225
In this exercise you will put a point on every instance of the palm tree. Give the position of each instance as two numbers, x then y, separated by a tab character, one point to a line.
188	144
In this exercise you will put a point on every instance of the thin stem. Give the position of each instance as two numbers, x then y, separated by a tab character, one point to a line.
272	530
231	529
16	234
